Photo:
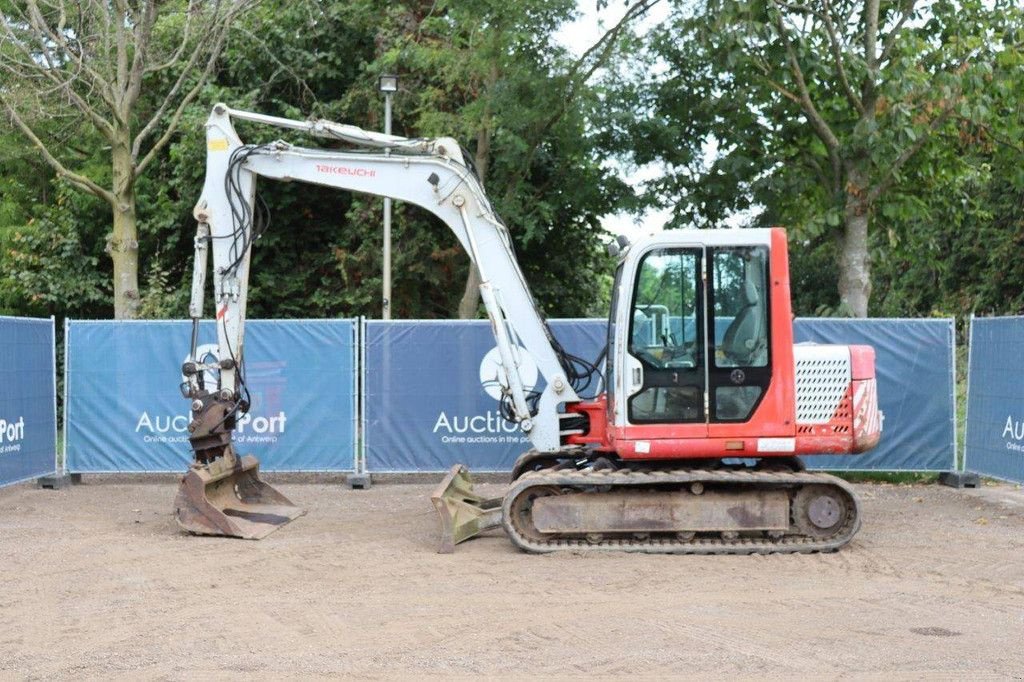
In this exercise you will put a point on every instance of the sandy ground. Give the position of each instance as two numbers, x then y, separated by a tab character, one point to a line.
96	581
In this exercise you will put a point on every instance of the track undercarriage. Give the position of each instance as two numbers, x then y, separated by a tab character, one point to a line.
574	502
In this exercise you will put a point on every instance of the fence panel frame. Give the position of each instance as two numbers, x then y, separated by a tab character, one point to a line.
951	321
53	391
967	414
70	324
948	322
477	322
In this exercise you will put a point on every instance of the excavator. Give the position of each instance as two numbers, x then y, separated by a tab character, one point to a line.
693	442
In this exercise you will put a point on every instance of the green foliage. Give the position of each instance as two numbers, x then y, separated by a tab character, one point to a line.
955	255
160	299
485	72
47	268
945	233
726	118
490	74
668	279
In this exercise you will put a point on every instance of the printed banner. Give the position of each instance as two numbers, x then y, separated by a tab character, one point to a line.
28	418
125	412
995	399
914	368
431	392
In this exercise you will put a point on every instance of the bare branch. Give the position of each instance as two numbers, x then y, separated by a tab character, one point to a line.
120	10
80	181
579	73
39	23
172	126
871	37
50	71
282	67
802	9
908	153
869	85
777	87
890	40
186	35
837	56
606	42
142	35
783	91
815	118
221	24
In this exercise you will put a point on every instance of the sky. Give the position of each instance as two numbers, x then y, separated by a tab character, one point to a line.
580	35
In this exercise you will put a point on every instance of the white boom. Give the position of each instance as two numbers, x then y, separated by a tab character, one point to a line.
431	173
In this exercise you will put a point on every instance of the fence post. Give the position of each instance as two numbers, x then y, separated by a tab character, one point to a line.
60	478
359	479
59	465
959	477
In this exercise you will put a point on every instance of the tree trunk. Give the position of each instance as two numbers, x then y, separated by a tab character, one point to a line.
854	260
123	244
470	303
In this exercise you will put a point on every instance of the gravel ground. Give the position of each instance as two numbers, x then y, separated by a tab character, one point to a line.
98	582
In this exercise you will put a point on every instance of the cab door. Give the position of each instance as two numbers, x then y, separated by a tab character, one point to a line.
739	364
665	370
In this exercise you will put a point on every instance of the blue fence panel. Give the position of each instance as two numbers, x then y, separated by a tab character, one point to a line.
423	414
430	393
915	372
125	413
995	399
28	415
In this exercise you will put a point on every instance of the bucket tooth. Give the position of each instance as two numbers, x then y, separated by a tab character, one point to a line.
463	513
227	497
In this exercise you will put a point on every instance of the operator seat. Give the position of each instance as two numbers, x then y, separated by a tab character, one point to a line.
746	331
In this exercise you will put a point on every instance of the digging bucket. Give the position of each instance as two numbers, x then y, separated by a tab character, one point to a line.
227	497
463	513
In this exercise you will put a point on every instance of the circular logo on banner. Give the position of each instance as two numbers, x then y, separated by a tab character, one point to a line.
492	378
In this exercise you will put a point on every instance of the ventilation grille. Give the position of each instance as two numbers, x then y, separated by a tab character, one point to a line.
822	382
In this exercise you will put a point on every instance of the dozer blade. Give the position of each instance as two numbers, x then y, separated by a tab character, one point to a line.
227	497
463	513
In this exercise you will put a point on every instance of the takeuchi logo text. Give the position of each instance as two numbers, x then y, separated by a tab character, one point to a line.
346	170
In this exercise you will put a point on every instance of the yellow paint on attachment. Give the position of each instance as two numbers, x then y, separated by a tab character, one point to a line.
217	145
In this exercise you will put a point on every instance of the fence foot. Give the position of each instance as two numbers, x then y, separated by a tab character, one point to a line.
960	479
59	481
358	481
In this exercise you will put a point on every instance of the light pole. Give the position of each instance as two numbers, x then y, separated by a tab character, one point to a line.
388	84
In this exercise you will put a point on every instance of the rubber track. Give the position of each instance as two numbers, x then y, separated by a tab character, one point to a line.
786	544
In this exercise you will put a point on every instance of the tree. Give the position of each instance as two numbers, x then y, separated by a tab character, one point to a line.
951	254
492	73
121	72
816	111
321	256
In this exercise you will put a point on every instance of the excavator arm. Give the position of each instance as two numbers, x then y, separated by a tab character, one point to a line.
431	173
